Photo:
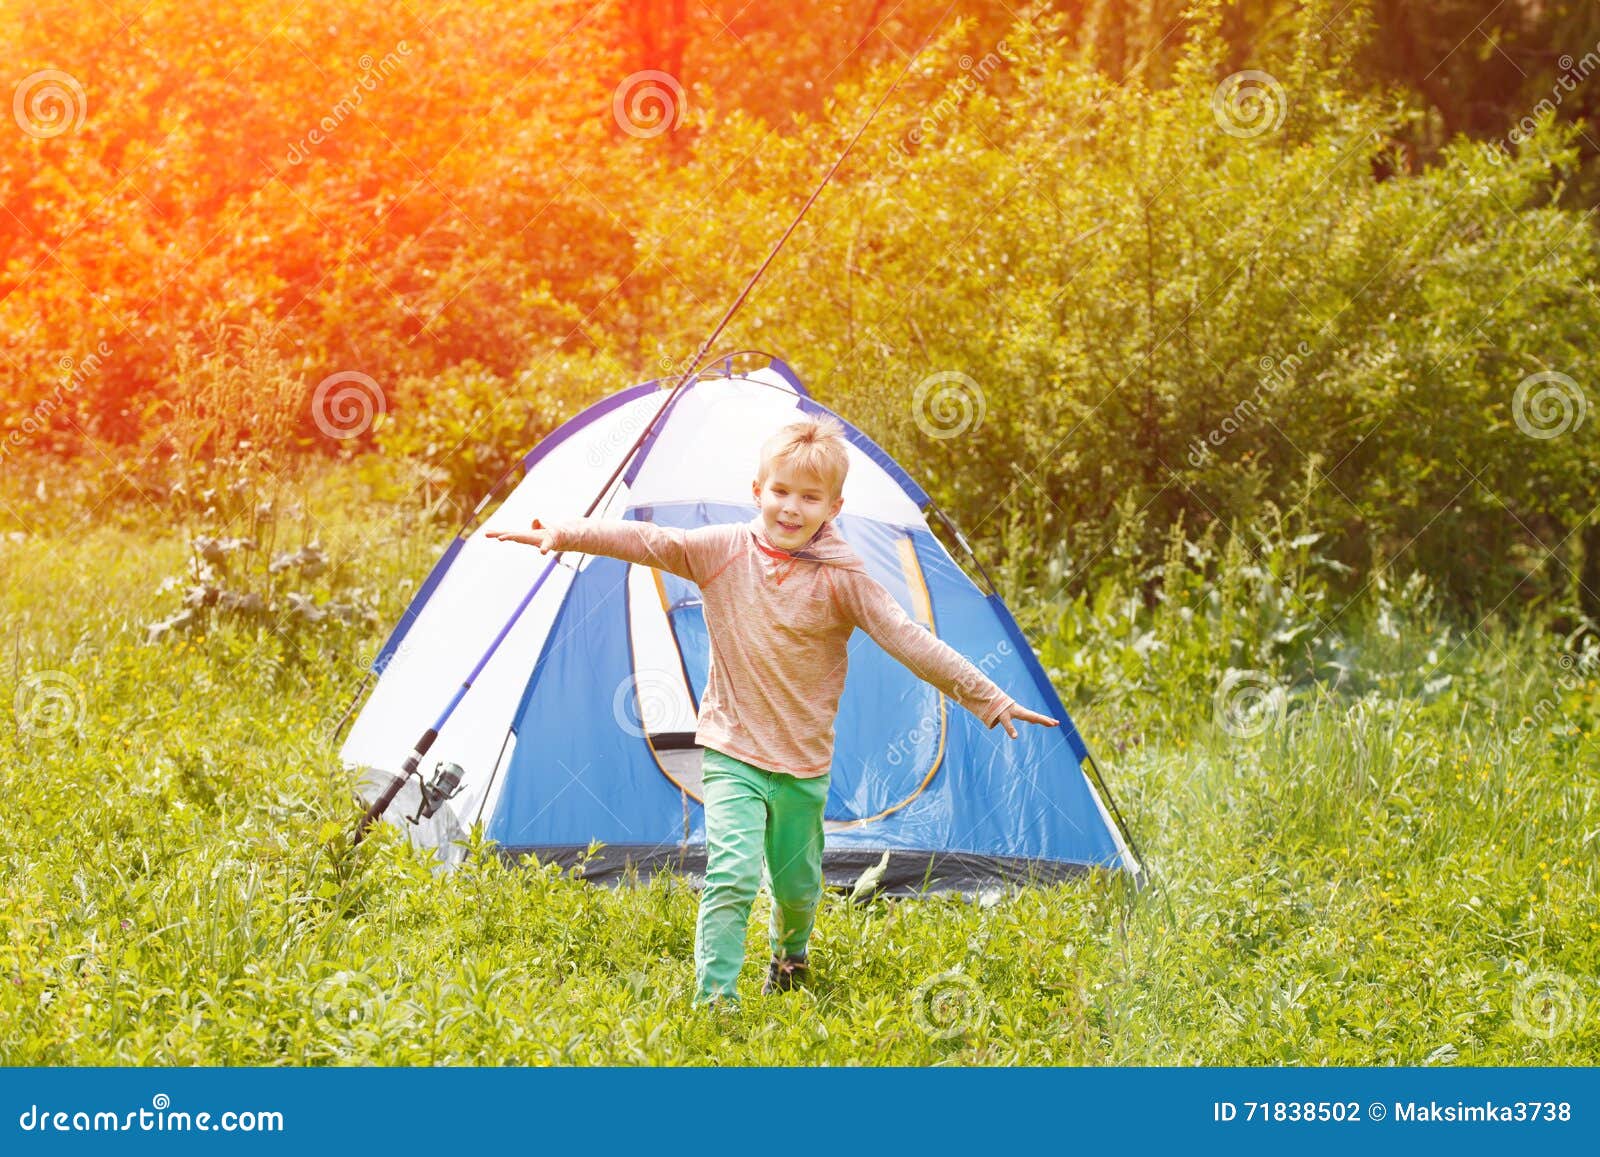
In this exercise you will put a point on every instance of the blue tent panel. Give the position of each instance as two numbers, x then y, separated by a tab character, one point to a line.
579	770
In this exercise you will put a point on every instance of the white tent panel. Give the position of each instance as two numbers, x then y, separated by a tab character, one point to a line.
476	598
659	698
711	447
563	483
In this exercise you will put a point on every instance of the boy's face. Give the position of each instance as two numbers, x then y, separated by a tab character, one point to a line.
794	505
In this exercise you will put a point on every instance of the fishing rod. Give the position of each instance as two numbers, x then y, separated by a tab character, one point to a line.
447	776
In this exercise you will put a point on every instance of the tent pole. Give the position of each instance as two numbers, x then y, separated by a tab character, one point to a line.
1111	801
414	760
960	538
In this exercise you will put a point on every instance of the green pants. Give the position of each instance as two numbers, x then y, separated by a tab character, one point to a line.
751	813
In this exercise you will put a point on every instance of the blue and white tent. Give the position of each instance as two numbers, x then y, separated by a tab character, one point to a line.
579	727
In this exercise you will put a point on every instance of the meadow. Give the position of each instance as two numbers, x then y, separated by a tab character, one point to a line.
1384	853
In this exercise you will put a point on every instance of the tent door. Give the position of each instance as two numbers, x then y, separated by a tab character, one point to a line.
659	702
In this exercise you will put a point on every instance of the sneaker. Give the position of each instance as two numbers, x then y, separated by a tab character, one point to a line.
784	973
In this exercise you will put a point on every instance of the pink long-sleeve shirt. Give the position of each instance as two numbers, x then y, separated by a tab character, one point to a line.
780	623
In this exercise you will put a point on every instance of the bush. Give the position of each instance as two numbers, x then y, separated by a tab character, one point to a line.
450	438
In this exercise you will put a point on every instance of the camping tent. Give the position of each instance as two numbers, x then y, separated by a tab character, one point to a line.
579	725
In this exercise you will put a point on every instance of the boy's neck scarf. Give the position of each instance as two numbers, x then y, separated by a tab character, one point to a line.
827	546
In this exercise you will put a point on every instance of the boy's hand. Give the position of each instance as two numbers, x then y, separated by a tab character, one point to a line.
1017	711
537	536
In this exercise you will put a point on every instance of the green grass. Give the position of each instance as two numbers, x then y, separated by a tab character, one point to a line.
1396	873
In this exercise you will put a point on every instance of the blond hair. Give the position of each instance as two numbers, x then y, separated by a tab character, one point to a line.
811	446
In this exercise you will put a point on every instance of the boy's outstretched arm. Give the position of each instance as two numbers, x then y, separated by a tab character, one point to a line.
537	535
1018	711
689	554
871	607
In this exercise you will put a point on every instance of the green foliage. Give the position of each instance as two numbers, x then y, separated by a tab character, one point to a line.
244	579
1131	286
455	435
253	554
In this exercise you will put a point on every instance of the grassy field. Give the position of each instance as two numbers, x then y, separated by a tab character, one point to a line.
1392	863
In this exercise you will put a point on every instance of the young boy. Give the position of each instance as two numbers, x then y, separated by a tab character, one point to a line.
782	594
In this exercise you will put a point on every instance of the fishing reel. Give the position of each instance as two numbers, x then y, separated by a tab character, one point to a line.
445	785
